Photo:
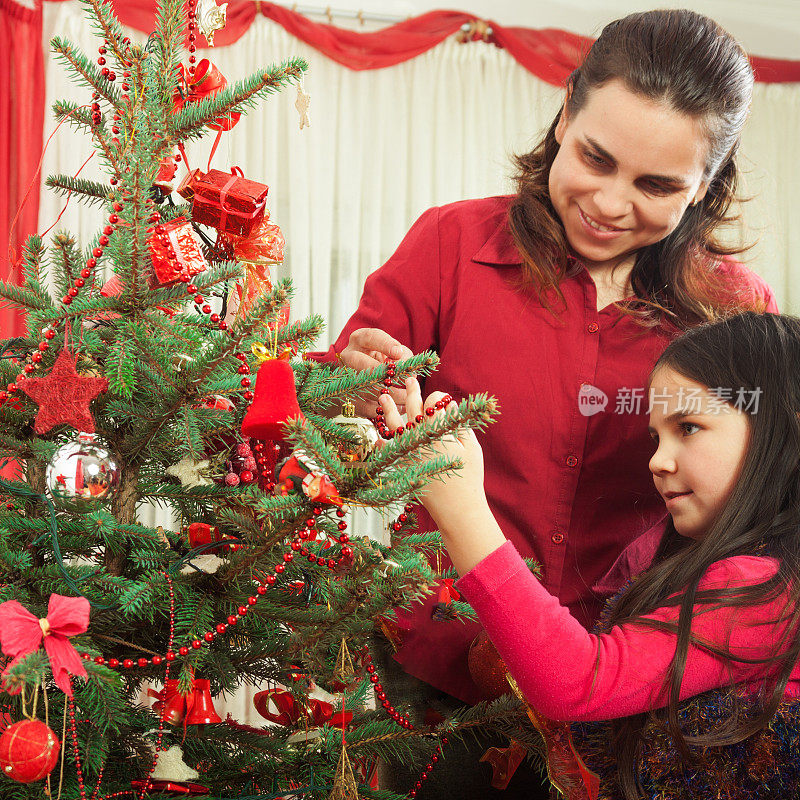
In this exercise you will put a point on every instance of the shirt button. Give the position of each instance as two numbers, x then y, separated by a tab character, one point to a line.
592	327
557	538
572	461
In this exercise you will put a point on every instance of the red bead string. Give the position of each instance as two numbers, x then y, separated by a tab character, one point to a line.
380	420
305	533
33	360
75	752
192	17
163	714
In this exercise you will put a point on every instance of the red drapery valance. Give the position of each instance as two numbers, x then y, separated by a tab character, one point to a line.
549	54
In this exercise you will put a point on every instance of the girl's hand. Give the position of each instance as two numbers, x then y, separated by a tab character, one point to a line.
446	498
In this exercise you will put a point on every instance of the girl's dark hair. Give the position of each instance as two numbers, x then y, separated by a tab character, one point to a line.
758	354
690	62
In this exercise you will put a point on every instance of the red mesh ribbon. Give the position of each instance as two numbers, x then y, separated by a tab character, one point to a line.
21	633
565	767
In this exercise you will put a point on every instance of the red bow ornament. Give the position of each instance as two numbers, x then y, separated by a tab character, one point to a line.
22	633
283	708
208	80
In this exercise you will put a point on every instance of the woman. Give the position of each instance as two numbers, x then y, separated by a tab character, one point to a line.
558	300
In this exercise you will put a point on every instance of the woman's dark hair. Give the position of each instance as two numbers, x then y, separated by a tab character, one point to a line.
758	354
690	62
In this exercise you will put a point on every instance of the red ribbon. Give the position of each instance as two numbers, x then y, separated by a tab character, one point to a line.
289	712
21	634
208	81
223	194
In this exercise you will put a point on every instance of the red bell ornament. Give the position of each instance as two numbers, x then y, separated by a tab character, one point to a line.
199	705
275	401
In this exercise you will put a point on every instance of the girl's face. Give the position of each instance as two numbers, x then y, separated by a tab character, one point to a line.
626	170
701	444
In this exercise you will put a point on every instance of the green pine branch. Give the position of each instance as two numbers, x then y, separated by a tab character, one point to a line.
76	116
90	192
190	122
86	71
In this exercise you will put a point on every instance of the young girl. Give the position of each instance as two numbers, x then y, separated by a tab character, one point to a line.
717	608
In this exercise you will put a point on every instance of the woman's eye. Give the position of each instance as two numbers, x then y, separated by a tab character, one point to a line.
657	189
593	159
686	426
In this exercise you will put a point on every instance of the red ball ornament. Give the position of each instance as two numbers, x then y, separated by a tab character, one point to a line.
28	751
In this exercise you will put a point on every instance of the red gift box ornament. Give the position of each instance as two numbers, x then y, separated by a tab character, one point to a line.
175	252
275	401
226	201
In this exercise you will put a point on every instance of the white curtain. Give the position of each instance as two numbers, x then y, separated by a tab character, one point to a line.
385	145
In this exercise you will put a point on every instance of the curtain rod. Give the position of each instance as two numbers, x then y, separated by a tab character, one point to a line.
330	13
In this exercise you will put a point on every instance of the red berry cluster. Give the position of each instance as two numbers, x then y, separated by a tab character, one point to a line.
380	421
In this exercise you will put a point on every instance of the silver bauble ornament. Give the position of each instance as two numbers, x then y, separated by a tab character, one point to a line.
82	475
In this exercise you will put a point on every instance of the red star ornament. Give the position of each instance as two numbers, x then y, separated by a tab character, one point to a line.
63	396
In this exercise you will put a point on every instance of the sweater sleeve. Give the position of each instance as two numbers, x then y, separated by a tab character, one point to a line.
402	296
567	673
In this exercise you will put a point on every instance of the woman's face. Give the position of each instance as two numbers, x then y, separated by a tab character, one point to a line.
626	170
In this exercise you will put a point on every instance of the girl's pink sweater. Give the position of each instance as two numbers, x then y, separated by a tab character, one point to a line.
569	674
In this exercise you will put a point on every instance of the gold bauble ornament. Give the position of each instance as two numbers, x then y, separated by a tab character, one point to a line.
355	455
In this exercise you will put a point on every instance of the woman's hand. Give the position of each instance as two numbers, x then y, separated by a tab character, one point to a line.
369	348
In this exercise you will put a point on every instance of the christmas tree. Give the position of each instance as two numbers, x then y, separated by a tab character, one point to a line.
136	389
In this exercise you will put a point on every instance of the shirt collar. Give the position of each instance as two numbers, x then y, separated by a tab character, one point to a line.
499	249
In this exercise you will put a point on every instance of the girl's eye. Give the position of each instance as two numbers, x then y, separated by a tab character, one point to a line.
686	425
